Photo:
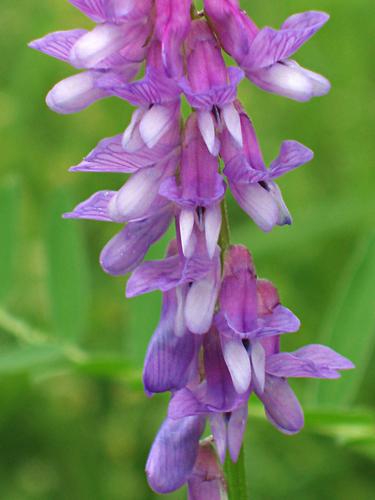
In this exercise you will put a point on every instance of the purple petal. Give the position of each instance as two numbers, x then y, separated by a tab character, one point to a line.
155	275
238	363
281	320
112	10
323	355
212	226
271	46
75	93
58	44
172	27
96	207
173	454
154	88
258	203
258	364
292	155
232	120
236	429
290	80
169	355
188	402
206	127
201	300
218	424
216	95
285	364
127	249
221	395
238	294
139	197
281	405
109	156
95	9
313	361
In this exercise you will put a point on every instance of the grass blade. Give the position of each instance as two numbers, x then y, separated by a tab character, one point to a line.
68	274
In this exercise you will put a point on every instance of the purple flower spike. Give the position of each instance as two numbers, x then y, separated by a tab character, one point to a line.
174	453
207	479
218	337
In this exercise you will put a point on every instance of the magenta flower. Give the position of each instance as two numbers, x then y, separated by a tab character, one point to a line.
218	337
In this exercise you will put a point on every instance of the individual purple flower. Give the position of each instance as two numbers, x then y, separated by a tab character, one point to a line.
265	54
312	361
250	307
207	478
172	355
251	183
211	87
126	250
198	193
108	46
197	278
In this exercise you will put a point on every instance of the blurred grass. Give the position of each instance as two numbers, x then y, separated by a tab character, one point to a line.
78	427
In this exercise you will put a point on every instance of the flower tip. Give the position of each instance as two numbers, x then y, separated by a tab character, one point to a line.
69	215
33	45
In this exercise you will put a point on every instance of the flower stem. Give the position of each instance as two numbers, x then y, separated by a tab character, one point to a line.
224	238
235	474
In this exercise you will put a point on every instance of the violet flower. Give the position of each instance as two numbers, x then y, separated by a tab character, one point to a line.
251	183
265	54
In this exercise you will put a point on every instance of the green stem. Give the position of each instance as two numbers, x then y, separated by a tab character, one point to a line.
235	472
236	478
224	238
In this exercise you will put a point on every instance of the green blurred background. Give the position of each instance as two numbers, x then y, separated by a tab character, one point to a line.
74	422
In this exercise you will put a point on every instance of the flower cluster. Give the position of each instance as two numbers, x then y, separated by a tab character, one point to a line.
218	339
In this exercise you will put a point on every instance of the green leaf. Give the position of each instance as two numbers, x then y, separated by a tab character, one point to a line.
9	215
351	326
68	274
25	359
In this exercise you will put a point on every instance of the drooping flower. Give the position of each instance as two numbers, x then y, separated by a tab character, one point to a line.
199	192
211	87
251	183
265	54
